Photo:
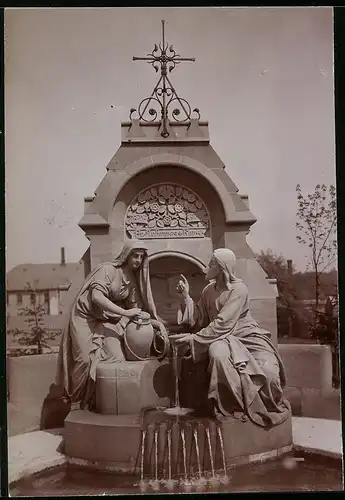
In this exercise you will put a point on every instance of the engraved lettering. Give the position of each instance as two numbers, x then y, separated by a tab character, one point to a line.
126	373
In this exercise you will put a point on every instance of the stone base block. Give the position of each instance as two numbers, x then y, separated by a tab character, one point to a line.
103	438
308	366
34	399
314	402
319	405
243	439
129	386
113	442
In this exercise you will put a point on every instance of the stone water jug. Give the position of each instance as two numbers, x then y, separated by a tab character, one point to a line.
138	338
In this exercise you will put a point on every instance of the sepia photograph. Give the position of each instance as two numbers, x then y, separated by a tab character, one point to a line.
172	315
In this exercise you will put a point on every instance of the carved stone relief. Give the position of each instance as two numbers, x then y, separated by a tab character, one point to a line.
167	211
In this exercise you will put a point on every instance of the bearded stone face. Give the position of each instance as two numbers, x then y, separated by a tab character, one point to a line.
213	270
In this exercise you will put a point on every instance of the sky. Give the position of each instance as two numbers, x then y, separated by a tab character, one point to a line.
263	79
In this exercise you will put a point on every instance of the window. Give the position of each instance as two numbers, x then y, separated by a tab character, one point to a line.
46	303
33	299
19	299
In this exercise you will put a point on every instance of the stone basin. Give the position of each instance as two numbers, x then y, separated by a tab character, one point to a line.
113	442
131	397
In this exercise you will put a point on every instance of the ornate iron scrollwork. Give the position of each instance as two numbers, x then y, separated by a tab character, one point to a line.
164	100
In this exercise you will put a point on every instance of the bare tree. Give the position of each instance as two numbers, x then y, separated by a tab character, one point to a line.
316	228
292	314
37	335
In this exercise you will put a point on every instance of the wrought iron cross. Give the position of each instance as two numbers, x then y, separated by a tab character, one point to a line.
164	93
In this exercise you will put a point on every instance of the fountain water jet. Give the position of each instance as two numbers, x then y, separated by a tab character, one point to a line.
155	484
200	482
142	484
196	441
187	485
177	410
169	483
175	362
184	453
169	454
225	479
214	481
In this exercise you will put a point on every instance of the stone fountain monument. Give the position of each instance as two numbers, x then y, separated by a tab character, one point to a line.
167	186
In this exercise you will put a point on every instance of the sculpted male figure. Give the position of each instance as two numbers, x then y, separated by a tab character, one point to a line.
246	374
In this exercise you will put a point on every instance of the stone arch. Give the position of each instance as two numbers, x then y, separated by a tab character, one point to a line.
148	162
182	255
122	194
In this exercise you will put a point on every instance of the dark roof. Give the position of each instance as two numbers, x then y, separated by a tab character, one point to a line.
43	276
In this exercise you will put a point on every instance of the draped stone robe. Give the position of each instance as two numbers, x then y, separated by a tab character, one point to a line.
226	334
92	334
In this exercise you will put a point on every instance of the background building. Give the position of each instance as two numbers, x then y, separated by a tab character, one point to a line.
51	285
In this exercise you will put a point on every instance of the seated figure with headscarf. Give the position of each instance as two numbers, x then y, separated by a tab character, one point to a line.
113	294
230	354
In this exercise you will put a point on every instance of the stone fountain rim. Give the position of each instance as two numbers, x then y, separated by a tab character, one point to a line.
49	458
64	461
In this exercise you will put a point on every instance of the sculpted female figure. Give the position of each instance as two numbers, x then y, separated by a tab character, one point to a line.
246	374
113	294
